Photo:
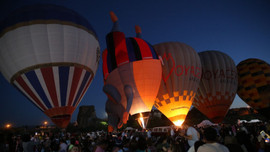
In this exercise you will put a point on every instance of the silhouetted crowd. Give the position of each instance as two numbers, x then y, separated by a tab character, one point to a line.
244	137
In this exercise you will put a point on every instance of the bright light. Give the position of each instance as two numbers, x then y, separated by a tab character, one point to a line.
178	123
104	123
141	118
45	123
142	121
8	125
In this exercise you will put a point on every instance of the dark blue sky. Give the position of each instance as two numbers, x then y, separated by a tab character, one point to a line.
239	28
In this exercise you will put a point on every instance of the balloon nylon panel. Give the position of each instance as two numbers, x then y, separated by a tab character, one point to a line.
39	89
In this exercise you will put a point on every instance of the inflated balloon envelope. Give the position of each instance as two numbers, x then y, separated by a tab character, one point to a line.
254	84
218	85
131	68
181	73
51	54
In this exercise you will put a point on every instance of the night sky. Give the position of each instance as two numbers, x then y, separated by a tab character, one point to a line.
241	29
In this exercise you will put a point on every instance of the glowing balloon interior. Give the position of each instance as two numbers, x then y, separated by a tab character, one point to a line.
51	54
181	73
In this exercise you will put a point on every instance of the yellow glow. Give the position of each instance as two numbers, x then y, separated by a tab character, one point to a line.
178	123
45	122
8	125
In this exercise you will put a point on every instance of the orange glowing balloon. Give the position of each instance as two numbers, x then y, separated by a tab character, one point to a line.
132	69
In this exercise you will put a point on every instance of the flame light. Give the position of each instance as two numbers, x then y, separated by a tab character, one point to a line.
142	121
178	123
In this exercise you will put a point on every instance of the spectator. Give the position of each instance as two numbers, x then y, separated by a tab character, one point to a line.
73	148
196	145
150	146
149	134
211	144
162	145
101	146
28	145
62	146
192	135
141	144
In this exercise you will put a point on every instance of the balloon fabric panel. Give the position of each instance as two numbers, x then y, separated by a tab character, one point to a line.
147	78
39	87
146	53
64	78
22	86
47	74
105	65
118	50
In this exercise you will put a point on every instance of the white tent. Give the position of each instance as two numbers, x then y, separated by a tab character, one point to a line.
254	121
129	128
205	123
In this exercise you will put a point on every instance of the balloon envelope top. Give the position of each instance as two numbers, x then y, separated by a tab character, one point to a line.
124	50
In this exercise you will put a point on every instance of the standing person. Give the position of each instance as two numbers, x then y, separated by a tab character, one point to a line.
74	148
163	145
101	146
149	134
211	144
28	145
172	133
196	146
192	135
63	146
47	144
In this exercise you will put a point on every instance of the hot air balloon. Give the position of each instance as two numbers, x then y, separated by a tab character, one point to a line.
218	85
254	84
51	54
181	73
131	68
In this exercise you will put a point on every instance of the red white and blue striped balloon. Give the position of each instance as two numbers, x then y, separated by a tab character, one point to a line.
51	54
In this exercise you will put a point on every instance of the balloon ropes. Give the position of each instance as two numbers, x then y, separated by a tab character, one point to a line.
132	75
218	85
51	54
181	74
254	84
